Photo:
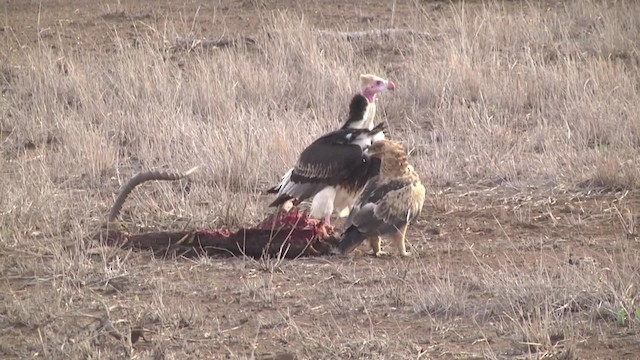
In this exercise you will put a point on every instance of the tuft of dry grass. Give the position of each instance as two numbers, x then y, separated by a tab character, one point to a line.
521	117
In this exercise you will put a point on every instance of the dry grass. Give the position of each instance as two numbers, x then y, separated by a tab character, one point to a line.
523	120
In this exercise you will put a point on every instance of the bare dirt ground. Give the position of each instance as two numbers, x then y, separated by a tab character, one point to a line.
522	119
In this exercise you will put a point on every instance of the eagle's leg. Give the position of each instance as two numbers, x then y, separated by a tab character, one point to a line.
399	240
374	242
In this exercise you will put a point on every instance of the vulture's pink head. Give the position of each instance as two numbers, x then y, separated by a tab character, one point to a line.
372	85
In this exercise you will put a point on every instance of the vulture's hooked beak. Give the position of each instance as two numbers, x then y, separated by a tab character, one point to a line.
391	85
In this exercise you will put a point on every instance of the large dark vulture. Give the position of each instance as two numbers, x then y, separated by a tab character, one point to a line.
362	110
332	170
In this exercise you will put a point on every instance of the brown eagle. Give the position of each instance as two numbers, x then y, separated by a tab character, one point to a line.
388	203
332	170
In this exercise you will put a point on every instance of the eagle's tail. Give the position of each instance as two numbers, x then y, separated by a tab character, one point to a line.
351	238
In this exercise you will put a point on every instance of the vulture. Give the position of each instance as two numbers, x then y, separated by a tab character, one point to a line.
387	204
362	110
332	170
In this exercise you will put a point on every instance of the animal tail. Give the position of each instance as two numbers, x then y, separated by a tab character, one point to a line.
351	238
139	179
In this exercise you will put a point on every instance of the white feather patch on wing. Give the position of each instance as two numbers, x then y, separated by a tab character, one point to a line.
364	141
322	204
285	180
289	186
379	136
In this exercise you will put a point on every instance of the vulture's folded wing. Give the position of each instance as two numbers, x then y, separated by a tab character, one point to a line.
321	165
